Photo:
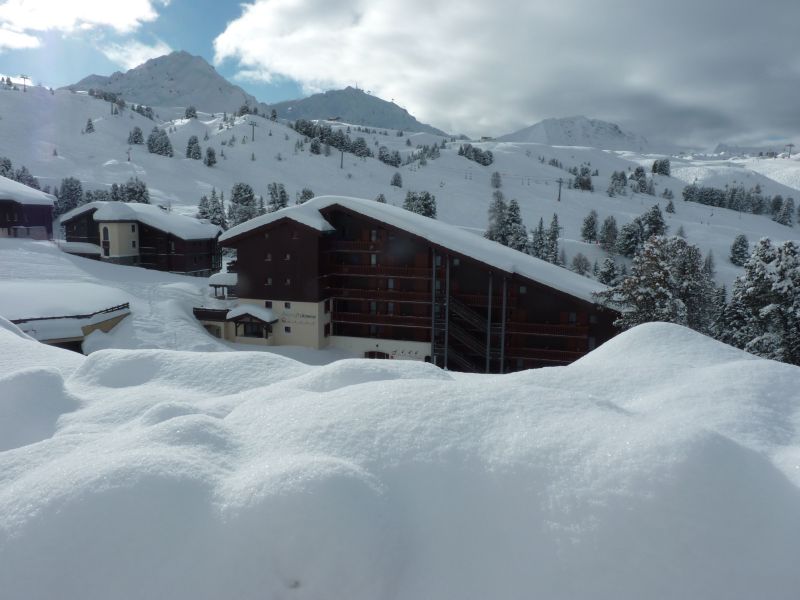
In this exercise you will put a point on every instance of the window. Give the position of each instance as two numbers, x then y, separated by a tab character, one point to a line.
287	281
267	303
573	318
295	235
287	329
373	330
266	236
593	319
268	257
523	289
456	262
327	330
373	235
287	305
133	228
373	307
373	259
105	234
133	243
438	260
327	306
172	246
390	284
287	257
592	343
269	281
253	330
390	308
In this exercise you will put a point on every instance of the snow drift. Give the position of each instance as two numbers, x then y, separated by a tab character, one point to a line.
662	465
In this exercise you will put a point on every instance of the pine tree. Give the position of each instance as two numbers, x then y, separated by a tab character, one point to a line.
551	241
203	208
785	214
538	247
211	157
193	150
653	222
217	210
666	283
158	142
422	203
589	228
709	266
134	190
70	195
89	126
23	176
242	206
496	181
190	112
397	180
305	195
608	272
608	234
136	136
380	198
670	207
497	229
261	210
517	233
630	239
740	250
278	198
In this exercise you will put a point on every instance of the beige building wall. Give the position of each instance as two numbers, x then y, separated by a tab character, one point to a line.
306	322
121	238
396	349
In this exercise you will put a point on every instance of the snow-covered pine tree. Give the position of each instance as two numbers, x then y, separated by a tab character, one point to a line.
497	229
242	206
517	233
190	113
89	126
551	241
589	227
261	210
70	195
496	180
785	215
158	142
23	176
630	239
670	206
217	210
608	234
422	203
307	194
380	198
709	266
653	222
397	180
193	149
203	208
136	136
608	272
135	190
740	250
538	245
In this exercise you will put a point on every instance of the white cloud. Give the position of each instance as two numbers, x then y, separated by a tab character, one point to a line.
487	67
14	40
132	53
21	20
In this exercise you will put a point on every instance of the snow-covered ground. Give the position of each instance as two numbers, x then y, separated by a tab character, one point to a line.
43	123
662	465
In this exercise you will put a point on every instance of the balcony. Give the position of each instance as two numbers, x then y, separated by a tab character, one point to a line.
381	319
555	356
378	295
380	271
353	246
543	329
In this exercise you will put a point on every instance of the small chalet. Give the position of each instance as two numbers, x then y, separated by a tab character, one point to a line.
144	235
383	282
24	211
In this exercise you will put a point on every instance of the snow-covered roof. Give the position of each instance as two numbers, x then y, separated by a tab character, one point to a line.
228	279
259	312
456	239
14	190
186	228
31	299
80	247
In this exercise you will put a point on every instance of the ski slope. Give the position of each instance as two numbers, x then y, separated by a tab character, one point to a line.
38	122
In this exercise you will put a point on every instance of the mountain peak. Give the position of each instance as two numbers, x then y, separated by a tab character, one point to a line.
175	79
578	131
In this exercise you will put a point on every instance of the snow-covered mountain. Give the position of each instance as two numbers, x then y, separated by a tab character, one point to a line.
176	79
579	131
352	105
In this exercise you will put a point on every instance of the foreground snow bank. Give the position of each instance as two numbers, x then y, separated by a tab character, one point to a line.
663	465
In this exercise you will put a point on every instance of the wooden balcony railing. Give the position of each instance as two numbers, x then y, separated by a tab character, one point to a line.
572	331
354	246
379	295
561	356
380	271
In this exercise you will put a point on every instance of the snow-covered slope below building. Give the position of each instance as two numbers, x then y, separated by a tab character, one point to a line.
352	105
578	131
176	79
222	475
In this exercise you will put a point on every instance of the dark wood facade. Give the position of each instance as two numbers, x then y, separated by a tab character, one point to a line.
388	283
26	220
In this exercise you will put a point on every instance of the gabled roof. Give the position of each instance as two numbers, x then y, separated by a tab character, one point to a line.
449	236
14	190
251	310
186	228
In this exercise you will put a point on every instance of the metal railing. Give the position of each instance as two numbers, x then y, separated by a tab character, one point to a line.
117	308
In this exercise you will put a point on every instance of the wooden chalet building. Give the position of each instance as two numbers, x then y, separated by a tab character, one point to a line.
24	211
144	235
383	282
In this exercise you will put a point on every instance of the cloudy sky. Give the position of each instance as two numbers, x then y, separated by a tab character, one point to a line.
688	71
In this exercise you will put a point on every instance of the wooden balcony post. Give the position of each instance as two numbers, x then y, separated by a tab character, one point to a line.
503	328
489	325
447	310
